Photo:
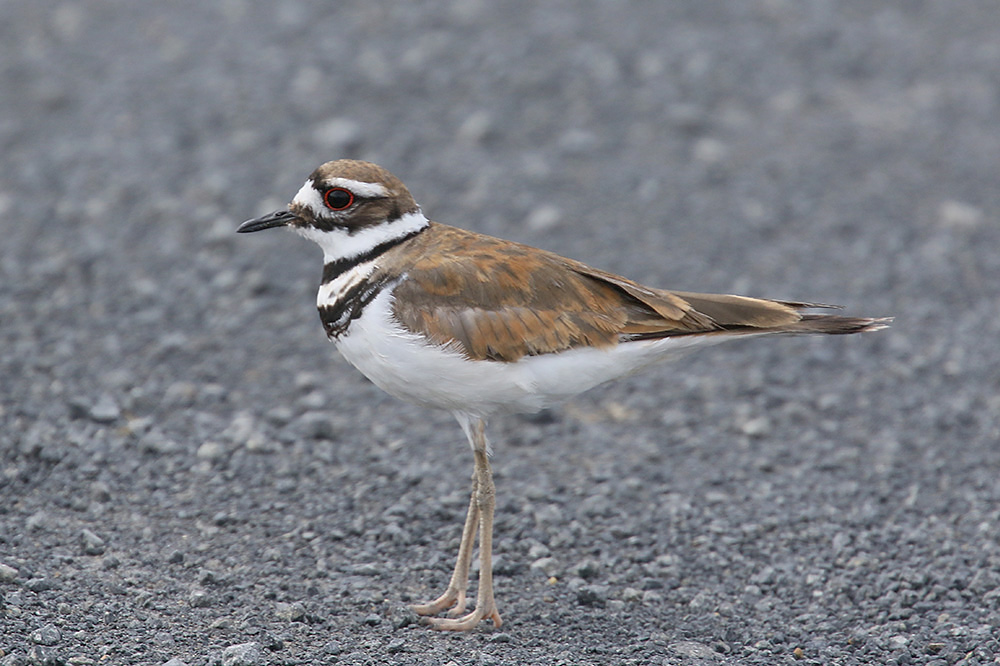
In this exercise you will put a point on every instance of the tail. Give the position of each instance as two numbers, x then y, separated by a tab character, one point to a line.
740	314
836	325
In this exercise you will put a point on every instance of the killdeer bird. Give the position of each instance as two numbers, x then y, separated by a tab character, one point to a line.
452	319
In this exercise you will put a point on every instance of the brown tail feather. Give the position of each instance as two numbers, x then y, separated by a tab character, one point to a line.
836	325
744	315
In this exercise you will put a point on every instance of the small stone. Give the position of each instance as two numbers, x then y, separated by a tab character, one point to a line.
173	662
91	544
799	653
289	612
181	393
958	214
100	491
199	599
211	451
476	126
366	569
756	427
209	577
224	623
372	620
702	603
40	584
397	645
316	425
592	595
105	410
693	649
710	151
38	521
78	407
41	655
547	565
7	573
652	597
245	654
587	569
631	595
47	635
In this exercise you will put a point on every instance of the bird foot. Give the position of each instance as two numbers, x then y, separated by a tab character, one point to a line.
466	622
451	599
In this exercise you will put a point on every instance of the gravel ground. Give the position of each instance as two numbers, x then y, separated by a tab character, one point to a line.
191	475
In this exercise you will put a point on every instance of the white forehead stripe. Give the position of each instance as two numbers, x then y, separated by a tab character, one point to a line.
359	188
310	197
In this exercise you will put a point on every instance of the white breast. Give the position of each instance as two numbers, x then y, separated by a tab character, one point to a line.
405	365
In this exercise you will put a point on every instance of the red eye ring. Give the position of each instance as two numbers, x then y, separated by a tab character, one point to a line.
338	198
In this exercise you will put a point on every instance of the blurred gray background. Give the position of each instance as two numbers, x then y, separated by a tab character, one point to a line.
186	466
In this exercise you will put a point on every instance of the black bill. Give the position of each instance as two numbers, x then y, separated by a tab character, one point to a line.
279	218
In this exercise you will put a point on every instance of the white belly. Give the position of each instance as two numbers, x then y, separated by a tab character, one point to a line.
403	364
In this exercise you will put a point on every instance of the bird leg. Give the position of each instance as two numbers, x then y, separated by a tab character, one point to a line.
454	596
480	511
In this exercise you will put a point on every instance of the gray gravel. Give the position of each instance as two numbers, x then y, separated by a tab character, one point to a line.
189	475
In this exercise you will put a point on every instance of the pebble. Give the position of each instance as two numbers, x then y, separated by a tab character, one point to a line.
245	654
211	451
40	584
592	595
693	649
91	544
7	573
105	410
289	612
100	491
316	425
47	635
38	521
173	662
755	427
547	565
199	599
41	655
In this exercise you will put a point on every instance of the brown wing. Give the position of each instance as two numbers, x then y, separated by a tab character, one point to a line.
498	300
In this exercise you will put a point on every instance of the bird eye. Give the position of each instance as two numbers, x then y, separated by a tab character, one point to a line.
337	198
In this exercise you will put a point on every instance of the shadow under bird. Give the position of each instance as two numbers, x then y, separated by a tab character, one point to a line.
457	320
